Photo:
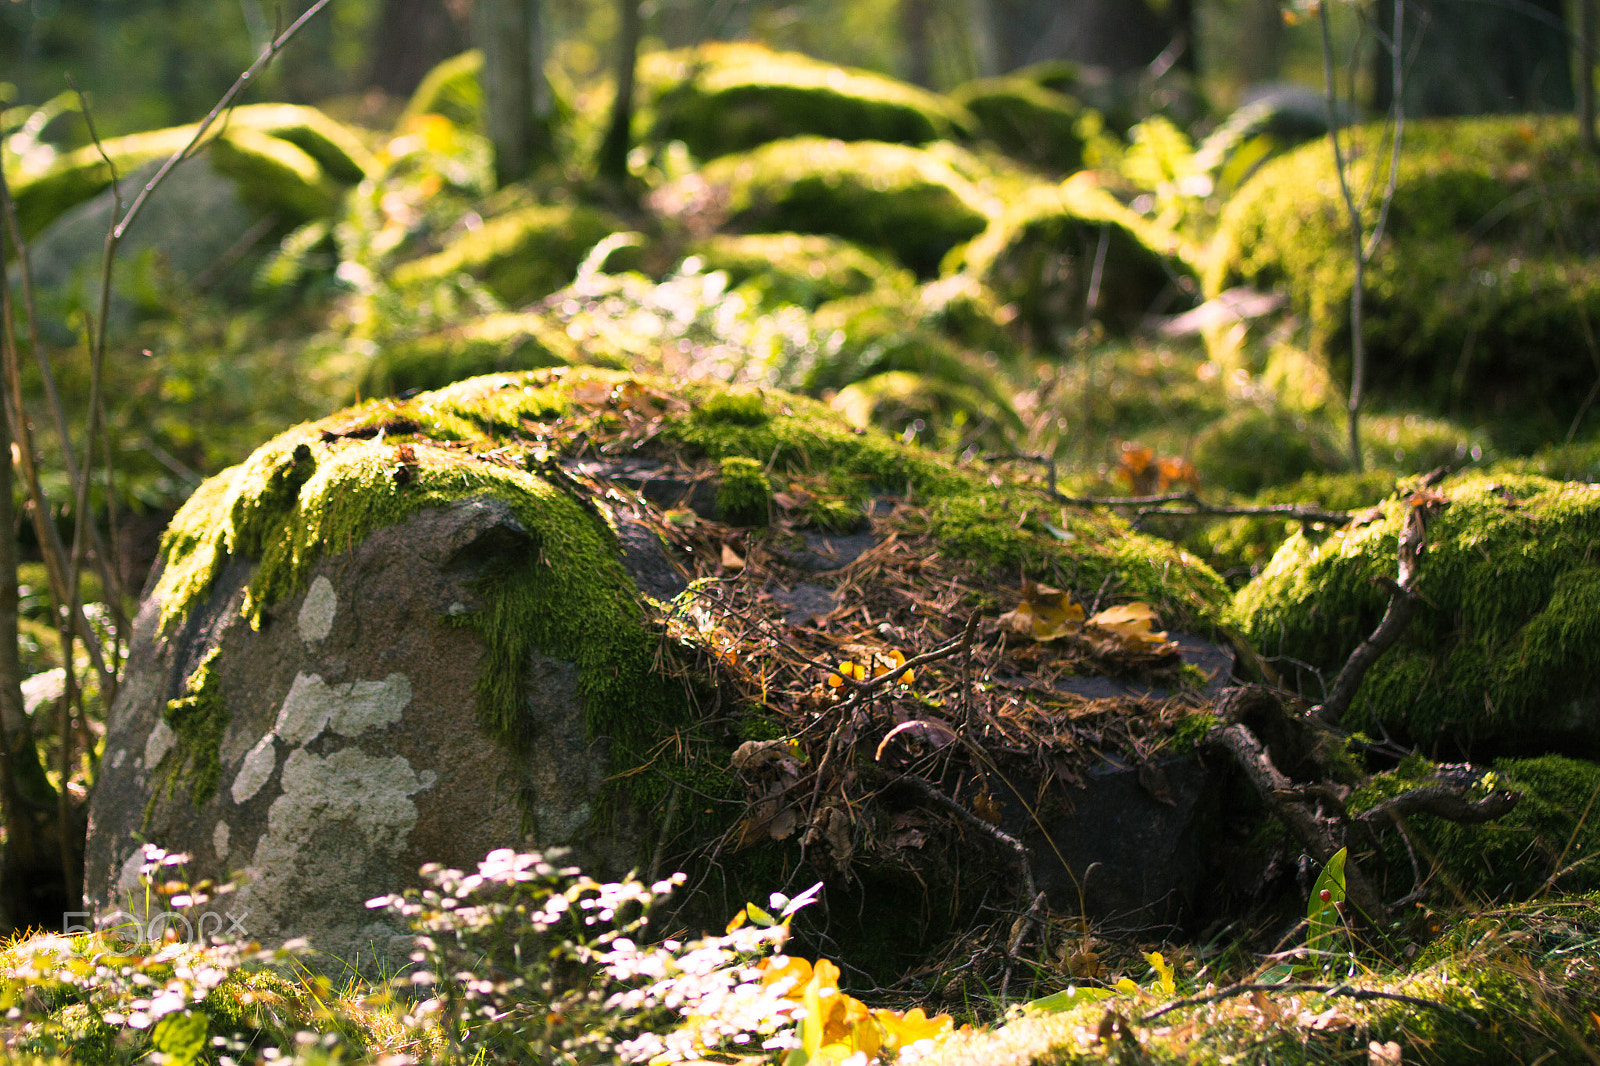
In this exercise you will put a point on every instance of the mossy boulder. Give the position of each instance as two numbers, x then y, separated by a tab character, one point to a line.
285	158
416	630
1500	652
723	97
493	343
1478	298
1252	448
1028	122
451	90
795	268
1545	843
890	196
519	255
1068	254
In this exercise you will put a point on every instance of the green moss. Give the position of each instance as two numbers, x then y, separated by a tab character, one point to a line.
940	414
198	717
896	369
285	158
519	255
275	175
1481	289
793	268
720	98
1548	840
322	488
335	147
888	196
1244	545
452	90
744	495
735	407
1251	449
484	345
1027	121
1579	461
1056	246
1503	642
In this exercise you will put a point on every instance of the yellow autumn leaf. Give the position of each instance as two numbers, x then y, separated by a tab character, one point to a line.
1044	614
1132	623
1164	982
902	1028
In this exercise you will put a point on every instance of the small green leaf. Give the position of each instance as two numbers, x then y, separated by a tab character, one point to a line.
1067	998
1323	921
181	1037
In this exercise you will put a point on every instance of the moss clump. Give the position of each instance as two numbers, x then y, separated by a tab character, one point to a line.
198	717
889	196
793	268
284	158
452	90
1067	254
744	495
1502	645
721	98
1479	296
1251	449
484	345
1579	461
1025	120
1244	545
520	255
1548	840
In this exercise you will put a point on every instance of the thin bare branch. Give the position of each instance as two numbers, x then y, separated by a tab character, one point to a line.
243	82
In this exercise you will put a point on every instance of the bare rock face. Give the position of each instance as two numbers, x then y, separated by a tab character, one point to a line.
347	749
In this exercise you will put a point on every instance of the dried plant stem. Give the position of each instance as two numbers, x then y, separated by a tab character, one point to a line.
1363	245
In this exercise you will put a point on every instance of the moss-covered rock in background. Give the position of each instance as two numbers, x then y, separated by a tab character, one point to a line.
888	196
1070	254
1252	448
284	157
721	97
1548	841
1478	298
1239	547
894	368
452	90
795	268
1501	651
1027	121
485	345
519	255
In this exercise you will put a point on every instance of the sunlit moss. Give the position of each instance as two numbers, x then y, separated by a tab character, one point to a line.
520	255
889	196
1478	294
723	97
1503	640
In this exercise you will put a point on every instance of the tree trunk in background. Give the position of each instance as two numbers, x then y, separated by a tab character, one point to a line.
1120	35
1475	58
411	38
307	72
516	98
1258	51
619	135
914	29
1585	73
